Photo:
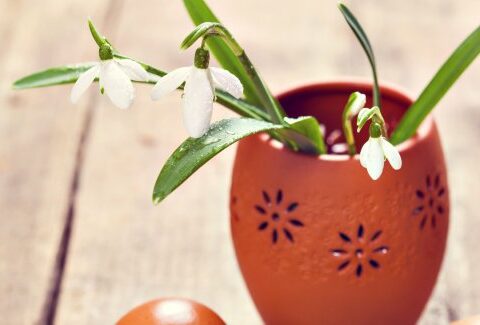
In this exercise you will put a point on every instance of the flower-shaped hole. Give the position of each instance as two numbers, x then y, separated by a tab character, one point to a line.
360	251
278	216
430	201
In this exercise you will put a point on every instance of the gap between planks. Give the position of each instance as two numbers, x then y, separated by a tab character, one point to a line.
52	298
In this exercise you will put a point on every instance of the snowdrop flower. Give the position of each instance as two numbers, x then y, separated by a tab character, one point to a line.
115	78
374	152
199	92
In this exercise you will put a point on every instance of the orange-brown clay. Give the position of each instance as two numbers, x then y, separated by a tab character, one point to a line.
171	311
319	242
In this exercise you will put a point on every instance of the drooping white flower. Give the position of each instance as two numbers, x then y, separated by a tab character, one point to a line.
115	78
373	155
199	93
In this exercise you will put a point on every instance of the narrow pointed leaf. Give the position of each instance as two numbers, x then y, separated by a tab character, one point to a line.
307	134
201	13
450	71
53	76
194	153
365	43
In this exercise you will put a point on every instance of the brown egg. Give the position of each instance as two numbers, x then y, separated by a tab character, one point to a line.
475	320
171	311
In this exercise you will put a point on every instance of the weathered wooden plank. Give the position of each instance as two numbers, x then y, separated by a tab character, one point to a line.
125	251
39	137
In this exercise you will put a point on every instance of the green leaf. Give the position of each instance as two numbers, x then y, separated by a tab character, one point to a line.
363	39
201	13
53	76
194	153
450	71
307	135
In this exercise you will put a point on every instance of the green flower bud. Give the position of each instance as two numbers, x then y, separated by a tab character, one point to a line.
105	52
202	58
375	130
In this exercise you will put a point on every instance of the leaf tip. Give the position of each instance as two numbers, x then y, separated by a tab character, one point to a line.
156	198
15	85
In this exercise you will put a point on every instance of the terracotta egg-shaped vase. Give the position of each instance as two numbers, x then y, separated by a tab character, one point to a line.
171	311
318	241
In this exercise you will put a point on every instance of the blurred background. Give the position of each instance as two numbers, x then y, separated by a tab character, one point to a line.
81	242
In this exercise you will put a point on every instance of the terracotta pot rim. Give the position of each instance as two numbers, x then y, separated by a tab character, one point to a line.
389	90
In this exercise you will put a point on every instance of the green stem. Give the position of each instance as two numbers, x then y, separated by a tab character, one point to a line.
100	40
348	132
376	88
272	105
378	118
209	29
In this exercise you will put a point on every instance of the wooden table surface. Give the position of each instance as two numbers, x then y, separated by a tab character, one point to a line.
81	242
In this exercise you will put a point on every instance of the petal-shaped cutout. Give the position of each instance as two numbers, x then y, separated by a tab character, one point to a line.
170	82
117	85
364	153
392	154
226	81
197	102
83	82
133	70
376	159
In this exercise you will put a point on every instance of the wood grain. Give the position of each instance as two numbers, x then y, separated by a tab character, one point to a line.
123	250
39	133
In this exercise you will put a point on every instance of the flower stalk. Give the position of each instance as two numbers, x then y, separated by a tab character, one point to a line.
100	40
355	103
210	29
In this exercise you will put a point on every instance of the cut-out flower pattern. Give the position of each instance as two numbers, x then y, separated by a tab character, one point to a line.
431	201
360	251
278	213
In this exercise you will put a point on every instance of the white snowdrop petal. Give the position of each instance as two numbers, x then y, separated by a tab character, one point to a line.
133	70
84	81
170	82
226	81
197	102
376	159
358	104
364	153
117	84
392	154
